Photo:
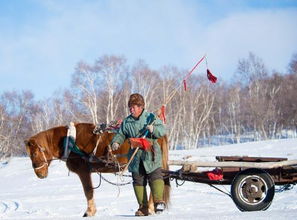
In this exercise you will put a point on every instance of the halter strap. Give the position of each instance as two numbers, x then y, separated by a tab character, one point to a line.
45	163
97	143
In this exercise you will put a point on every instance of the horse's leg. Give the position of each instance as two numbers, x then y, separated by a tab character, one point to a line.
82	170
151	207
85	178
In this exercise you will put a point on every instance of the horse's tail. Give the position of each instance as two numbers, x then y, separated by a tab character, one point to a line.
165	157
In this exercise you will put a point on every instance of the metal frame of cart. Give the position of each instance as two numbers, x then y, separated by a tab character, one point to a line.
252	179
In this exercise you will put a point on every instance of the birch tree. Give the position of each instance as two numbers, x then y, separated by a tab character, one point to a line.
86	90
201	103
113	73
146	82
292	69
170	94
53	112
4	135
233	108
16	116
252	73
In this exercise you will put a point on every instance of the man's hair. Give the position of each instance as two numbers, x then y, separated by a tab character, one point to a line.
136	99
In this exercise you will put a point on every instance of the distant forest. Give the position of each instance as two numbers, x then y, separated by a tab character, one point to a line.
257	104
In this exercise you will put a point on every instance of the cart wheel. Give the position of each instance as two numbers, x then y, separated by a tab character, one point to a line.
252	190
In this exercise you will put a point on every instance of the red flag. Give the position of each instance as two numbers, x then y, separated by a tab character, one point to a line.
141	143
163	116
211	77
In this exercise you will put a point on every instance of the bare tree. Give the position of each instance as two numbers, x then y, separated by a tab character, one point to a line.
200	105
287	102
86	89
16	119
113	73
258	103
252	72
194	111
4	135
169	96
233	108
146	82
54	111
293	65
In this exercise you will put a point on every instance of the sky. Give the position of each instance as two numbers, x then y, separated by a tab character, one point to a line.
41	41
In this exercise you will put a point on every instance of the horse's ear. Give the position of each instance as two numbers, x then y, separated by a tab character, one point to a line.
30	142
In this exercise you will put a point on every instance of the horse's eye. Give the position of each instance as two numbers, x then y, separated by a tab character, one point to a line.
34	154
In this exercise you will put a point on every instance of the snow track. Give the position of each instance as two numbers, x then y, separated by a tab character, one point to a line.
8	207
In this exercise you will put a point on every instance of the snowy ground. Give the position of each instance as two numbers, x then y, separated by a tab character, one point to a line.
60	196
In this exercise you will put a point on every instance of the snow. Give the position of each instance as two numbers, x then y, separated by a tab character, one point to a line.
60	195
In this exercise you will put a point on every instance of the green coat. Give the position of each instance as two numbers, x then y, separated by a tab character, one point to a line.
131	128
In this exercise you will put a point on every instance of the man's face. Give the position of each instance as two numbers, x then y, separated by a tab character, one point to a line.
135	110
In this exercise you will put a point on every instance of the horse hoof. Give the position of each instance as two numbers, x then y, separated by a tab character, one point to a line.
88	214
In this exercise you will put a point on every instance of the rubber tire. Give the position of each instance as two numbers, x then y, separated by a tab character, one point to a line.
255	174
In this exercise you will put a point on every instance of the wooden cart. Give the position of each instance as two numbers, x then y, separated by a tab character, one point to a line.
252	179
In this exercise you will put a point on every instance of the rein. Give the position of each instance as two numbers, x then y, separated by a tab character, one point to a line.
110	182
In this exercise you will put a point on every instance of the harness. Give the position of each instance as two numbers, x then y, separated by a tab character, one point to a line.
109	162
69	144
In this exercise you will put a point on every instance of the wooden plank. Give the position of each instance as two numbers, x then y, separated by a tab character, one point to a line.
250	159
263	165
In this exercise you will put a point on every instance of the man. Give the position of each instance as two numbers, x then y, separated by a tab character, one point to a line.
146	165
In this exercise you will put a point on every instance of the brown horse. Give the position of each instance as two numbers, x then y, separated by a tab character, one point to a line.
48	145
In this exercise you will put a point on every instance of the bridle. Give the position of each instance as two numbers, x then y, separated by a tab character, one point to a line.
44	163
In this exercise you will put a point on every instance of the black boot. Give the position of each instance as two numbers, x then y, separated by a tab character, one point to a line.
159	207
157	188
142	211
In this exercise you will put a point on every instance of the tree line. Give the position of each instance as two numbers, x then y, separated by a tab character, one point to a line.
256	105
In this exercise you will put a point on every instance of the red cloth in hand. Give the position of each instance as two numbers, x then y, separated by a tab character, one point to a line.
141	143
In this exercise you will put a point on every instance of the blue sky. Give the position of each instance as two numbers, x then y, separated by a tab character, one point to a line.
42	40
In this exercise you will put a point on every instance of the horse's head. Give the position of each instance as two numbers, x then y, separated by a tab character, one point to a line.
38	157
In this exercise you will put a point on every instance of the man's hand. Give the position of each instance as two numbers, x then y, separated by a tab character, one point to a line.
115	146
150	128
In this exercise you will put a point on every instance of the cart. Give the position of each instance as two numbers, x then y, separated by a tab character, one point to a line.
252	179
